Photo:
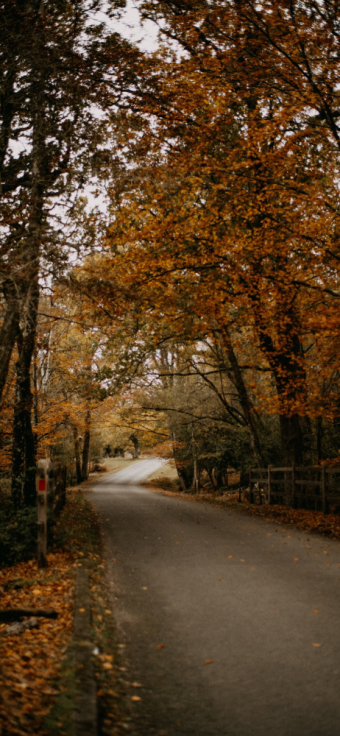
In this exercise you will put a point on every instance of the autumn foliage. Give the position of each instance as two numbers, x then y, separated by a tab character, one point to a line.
204	295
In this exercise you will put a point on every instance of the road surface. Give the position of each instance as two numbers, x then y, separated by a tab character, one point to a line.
231	623
134	473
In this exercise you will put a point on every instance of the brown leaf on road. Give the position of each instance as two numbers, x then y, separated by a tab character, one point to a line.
136	684
160	646
135	698
208	661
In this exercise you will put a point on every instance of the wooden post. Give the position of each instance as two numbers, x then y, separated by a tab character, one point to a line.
323	487
269	484
41	486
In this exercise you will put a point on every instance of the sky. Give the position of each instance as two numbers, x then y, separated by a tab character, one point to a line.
130	27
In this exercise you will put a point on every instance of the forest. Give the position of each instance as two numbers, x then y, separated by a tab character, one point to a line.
170	227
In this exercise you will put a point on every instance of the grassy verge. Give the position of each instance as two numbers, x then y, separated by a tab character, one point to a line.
165	477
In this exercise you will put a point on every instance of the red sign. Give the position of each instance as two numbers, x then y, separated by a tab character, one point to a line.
42	485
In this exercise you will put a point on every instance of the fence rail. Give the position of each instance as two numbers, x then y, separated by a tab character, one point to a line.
311	487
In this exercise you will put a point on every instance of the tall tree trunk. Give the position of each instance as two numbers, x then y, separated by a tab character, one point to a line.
23	453
9	330
319	436
23	466
86	445
76	439
287	364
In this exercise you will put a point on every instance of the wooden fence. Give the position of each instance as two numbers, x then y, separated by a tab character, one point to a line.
51	497
310	487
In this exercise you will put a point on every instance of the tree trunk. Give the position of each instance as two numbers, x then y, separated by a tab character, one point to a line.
196	479
134	440
319	435
291	440
242	394
23	452
86	446
286	362
76	439
23	466
9	330
182	476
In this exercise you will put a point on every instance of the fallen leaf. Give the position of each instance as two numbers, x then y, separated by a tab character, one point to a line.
296	559
160	646
135	698
108	612
221	580
242	560
107	666
316	645
315	610
208	661
81	610
145	588
136	684
230	556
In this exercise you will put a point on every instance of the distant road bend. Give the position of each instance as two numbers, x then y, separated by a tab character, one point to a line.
231	623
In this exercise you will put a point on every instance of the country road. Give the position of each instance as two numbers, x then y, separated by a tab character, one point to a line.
231	623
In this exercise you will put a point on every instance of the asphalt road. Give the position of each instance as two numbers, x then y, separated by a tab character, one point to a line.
231	623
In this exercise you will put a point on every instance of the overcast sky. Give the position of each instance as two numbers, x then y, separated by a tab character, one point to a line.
131	28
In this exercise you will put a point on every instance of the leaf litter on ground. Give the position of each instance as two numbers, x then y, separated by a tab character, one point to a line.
30	660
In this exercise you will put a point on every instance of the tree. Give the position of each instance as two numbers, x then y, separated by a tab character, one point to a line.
228	212
60	80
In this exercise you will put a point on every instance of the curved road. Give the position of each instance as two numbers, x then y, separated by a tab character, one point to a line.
231	623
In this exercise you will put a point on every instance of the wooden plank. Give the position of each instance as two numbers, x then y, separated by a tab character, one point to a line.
308	467
308	482
280	470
